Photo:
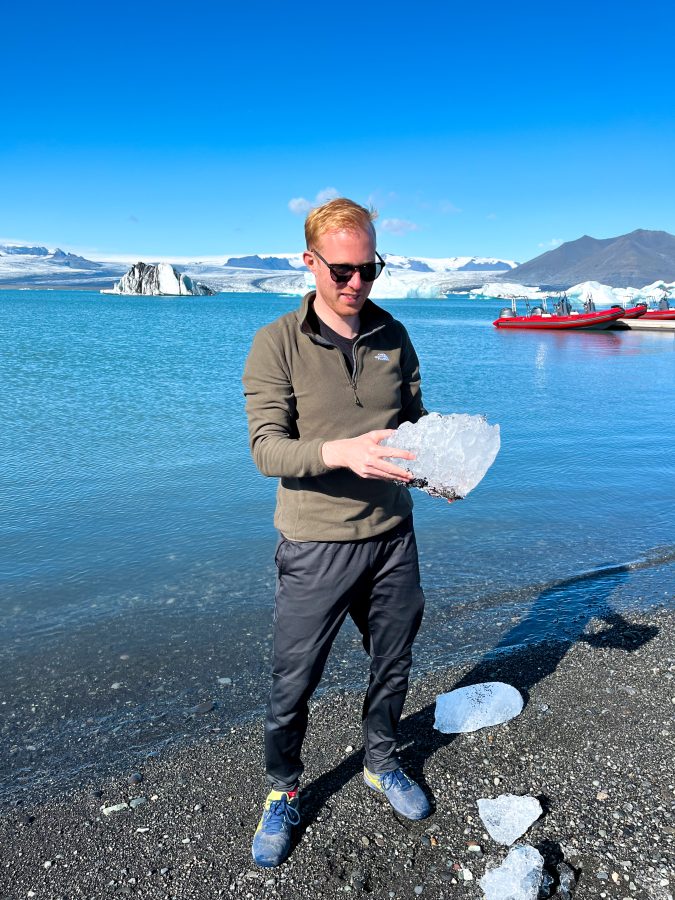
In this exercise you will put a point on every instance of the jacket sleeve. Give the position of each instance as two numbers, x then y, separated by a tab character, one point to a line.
270	406
412	408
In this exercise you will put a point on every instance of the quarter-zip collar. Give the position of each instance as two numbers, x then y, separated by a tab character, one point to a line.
372	318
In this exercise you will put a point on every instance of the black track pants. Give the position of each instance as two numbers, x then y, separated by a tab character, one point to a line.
377	582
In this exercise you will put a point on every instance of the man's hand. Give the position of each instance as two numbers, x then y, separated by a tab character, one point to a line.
365	456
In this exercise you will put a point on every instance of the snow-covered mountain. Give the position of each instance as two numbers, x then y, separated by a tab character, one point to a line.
41	267
404	276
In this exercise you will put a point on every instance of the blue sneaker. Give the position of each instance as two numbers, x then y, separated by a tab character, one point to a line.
404	794
272	838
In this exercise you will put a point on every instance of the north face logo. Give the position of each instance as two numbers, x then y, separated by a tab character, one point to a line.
382	356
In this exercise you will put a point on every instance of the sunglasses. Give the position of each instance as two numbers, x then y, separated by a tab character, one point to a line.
341	273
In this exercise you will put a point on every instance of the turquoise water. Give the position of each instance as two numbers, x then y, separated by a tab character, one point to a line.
136	536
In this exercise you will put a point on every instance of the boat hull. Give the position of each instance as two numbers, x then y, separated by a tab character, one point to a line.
660	314
595	321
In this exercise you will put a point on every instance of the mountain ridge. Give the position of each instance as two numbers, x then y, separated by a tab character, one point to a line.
637	258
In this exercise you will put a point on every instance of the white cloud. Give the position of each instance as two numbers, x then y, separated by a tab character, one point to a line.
328	193
447	207
300	206
554	242
398	226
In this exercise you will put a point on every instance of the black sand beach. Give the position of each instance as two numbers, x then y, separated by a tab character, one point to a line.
595	743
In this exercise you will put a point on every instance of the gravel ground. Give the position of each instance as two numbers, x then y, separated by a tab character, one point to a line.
595	743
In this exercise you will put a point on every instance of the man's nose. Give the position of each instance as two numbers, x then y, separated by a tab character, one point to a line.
355	280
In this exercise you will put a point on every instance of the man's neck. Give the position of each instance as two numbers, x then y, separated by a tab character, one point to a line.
347	326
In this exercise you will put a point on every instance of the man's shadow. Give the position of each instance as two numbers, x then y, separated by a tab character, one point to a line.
563	609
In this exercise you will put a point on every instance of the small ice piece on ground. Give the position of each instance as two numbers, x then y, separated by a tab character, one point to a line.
508	817
453	452
518	877
476	706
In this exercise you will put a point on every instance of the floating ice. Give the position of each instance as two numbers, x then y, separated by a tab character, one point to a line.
453	452
518	877
161	279
476	706
508	817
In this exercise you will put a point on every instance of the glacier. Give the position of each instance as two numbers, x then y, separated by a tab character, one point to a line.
277	273
452	453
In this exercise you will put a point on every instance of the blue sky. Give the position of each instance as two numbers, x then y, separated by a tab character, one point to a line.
485	128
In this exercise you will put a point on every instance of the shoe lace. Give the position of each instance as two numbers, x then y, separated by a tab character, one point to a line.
280	812
397	777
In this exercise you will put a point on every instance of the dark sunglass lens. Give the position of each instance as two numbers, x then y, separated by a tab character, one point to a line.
341	273
370	271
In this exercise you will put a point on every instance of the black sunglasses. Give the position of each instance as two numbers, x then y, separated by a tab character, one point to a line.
342	272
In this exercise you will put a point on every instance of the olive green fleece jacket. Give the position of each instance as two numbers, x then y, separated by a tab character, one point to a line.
299	394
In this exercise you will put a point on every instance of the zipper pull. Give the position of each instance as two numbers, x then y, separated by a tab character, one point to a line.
356	396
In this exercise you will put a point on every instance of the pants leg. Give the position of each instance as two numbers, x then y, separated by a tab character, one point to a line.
316	584
389	621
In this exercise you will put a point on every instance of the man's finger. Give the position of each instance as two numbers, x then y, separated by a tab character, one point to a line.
381	434
397	453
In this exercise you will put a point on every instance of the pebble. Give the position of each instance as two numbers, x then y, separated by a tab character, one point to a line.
419	889
602	795
204	707
365	841
48	864
474	847
116	685
117	807
349	749
137	801
142	830
466	875
135	778
225	681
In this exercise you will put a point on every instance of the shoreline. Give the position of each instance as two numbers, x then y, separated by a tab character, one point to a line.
595	743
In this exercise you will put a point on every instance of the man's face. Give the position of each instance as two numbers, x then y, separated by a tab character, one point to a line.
355	247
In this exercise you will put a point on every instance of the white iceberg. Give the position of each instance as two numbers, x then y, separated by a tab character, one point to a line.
160	280
453	452
518	878
603	295
508	817
477	706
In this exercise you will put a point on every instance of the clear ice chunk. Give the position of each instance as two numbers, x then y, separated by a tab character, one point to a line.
453	452
518	878
508	817
477	706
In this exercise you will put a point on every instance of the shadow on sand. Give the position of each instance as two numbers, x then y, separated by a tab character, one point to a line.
566	609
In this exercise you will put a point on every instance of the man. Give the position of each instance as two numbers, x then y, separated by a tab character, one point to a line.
324	385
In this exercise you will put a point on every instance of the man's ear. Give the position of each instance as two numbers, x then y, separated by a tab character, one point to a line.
309	259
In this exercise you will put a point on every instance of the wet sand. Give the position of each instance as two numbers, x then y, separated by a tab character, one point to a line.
595	743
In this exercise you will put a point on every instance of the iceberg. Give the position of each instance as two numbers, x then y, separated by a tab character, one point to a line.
602	294
477	706
518	878
160	280
508	817
453	452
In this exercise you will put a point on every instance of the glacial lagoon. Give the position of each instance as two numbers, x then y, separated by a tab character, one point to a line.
136	550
